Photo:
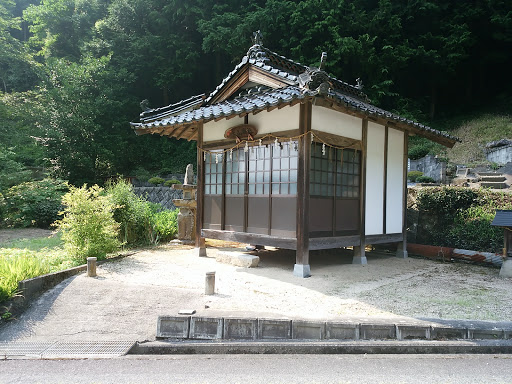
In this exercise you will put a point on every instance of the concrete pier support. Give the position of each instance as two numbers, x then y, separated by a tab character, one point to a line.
359	256
302	270
401	250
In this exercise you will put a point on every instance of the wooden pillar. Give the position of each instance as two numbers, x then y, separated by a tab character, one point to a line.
401	250
359	251
200	242
301	268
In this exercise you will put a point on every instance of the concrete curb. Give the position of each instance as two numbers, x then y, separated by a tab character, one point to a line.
323	347
226	328
30	289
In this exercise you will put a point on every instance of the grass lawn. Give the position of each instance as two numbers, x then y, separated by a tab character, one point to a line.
22	259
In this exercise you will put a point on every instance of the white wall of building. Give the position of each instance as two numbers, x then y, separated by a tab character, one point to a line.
337	123
277	120
395	182
374	217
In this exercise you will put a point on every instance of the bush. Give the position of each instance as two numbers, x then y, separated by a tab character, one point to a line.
425	179
35	203
15	267
169	183
413	175
165	224
132	212
142	174
461	218
156	180
88	226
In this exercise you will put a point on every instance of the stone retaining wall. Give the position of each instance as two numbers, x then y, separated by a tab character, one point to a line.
160	195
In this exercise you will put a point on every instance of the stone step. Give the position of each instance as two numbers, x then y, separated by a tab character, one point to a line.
493	179
490	184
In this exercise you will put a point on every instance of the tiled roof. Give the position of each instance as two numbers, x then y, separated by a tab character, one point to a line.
503	218
259	98
250	100
173	109
303	81
287	69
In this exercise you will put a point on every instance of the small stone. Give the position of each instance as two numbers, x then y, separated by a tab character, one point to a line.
187	312
206	306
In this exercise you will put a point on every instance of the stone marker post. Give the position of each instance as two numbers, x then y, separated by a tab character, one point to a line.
209	286
91	266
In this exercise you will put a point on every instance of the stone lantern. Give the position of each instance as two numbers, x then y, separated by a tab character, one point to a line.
187	206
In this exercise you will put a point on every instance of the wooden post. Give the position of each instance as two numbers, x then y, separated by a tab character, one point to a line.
302	268
200	243
401	250
359	251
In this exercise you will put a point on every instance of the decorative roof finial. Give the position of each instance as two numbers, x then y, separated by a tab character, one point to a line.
359	83
257	38
323	59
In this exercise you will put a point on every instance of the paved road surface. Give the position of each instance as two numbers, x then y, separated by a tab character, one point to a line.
265	369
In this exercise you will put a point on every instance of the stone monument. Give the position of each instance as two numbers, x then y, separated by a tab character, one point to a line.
187	206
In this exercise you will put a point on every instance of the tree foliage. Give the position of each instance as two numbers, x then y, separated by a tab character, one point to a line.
72	72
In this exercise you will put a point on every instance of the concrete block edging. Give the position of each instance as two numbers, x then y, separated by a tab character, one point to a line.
229	328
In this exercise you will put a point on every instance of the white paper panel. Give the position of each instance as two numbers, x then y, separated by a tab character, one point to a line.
375	180
394	191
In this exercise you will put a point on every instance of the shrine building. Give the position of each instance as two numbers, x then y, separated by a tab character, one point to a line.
291	157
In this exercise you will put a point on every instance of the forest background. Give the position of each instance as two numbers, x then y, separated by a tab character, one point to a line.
74	72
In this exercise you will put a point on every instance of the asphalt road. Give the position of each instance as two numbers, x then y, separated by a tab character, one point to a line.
264	369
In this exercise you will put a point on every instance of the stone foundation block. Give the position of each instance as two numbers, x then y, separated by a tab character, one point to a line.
410	332
342	331
239	259
309	330
377	331
274	329
206	328
449	333
245	329
486	334
173	327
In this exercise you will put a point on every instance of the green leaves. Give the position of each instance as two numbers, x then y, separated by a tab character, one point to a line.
88	226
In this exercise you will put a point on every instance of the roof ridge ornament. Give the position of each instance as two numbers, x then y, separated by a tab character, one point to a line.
257	52
257	38
359	84
316	79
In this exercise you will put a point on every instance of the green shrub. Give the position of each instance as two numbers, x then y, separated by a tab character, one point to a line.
88	226
142	174
132	212
413	175
35	203
18	266
461	218
425	179
156	180
165	224
169	183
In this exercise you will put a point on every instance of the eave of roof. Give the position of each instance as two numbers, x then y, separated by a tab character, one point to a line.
264	99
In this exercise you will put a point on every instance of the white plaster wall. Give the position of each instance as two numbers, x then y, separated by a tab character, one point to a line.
214	130
374	215
338	123
395	182
277	120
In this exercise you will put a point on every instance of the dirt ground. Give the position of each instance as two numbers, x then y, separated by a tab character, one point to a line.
23	233
129	294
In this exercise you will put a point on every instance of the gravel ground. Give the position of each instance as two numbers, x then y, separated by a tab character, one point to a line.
128	295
